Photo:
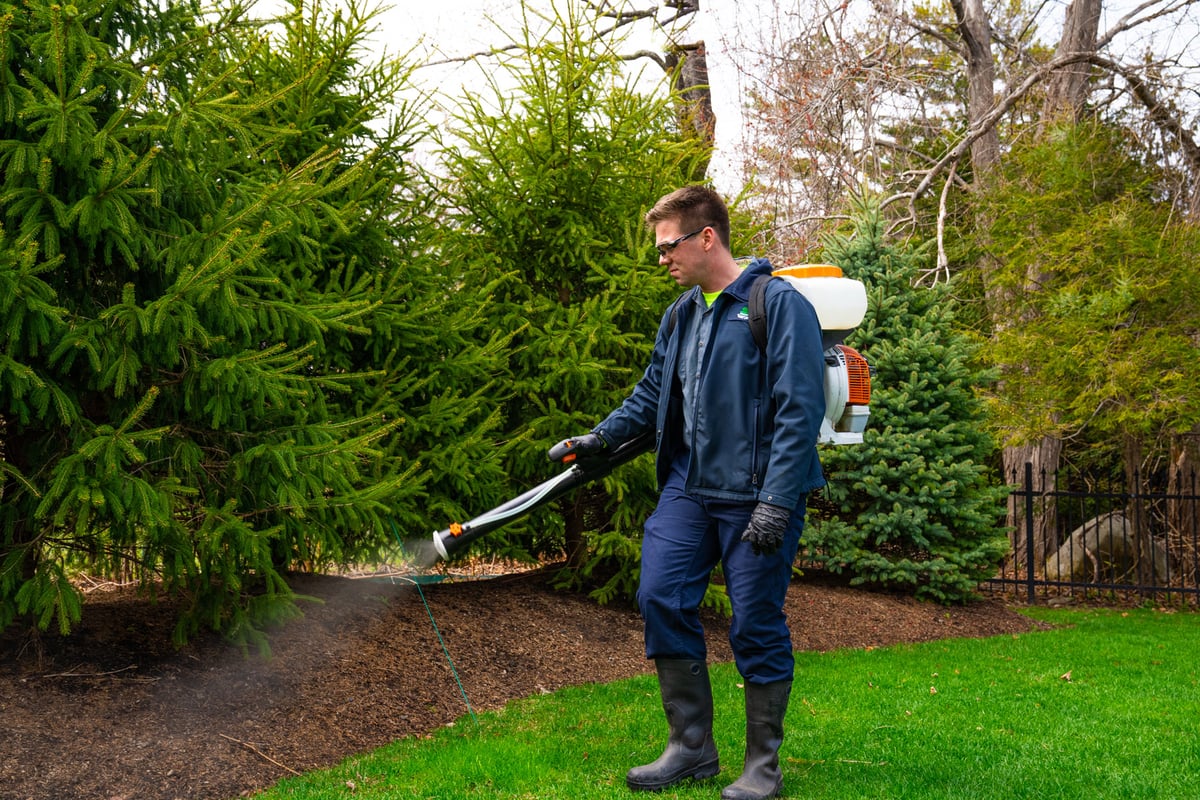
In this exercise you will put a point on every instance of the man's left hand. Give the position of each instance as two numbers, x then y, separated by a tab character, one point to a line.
581	447
765	530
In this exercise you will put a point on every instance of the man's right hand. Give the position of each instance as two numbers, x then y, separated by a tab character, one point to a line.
566	451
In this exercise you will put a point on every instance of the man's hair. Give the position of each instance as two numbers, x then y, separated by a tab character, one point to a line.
693	207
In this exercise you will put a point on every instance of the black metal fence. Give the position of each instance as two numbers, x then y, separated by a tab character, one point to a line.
1076	535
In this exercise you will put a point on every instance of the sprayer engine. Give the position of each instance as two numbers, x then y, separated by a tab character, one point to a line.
847	396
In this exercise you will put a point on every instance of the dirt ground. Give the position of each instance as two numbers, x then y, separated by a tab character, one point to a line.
115	712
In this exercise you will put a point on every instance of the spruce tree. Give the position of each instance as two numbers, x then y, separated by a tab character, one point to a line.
207	264
425	357
915	505
550	181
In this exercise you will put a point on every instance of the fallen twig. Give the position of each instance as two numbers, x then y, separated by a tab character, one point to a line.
70	674
259	753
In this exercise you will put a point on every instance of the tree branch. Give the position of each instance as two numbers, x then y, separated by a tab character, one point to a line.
989	120
603	9
258	753
650	54
888	9
943	263
1158	111
1162	116
1132	20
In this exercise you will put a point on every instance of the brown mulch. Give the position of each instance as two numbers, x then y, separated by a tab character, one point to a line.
116	712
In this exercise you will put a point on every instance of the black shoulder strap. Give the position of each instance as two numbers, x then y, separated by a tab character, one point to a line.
758	311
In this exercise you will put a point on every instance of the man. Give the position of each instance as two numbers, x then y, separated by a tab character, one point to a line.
736	431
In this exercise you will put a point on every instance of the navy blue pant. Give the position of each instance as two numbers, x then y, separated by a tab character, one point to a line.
685	538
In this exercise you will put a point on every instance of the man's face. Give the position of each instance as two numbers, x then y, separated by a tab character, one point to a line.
685	253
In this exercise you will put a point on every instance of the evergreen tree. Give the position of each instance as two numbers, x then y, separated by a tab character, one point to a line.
550	183
915	505
425	356
1103	274
206	261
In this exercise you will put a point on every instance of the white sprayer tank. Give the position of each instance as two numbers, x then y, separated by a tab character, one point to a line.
840	302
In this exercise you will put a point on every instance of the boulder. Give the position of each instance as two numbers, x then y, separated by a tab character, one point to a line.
1105	547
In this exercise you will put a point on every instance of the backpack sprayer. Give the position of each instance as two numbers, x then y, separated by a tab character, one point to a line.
840	303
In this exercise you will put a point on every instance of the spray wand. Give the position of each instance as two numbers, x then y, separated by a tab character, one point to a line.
583	470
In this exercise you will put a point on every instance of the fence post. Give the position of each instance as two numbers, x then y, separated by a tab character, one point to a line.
1029	548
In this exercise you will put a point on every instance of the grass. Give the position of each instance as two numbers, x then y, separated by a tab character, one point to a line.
1105	705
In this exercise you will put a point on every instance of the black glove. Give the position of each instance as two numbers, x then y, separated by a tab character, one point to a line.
765	530
566	451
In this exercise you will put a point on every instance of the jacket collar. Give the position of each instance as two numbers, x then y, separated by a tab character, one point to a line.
740	288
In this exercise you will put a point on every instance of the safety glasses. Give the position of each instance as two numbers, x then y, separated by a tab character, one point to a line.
666	247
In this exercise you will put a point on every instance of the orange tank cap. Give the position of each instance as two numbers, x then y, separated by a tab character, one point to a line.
810	271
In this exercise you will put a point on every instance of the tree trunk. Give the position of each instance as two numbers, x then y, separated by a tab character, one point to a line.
1067	90
976	33
1044	454
688	68
1135	509
1066	99
1068	94
689	77
1183	507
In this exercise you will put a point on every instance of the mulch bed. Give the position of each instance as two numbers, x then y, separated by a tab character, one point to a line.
115	712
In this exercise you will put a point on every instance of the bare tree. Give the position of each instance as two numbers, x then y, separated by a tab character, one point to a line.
844	97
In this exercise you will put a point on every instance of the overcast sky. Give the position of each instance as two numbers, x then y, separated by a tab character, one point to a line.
446	29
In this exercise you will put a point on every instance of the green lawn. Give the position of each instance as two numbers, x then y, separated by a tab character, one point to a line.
1106	705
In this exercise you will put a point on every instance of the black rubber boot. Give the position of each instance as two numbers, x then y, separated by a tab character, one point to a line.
690	752
766	705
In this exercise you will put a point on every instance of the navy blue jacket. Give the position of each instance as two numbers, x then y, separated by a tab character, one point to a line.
755	438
